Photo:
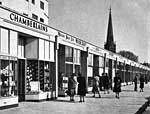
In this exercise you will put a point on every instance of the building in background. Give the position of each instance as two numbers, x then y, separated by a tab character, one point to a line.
36	9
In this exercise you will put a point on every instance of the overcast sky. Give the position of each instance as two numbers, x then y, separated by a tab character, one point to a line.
88	20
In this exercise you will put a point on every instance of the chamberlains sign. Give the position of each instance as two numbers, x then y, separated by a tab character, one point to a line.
28	22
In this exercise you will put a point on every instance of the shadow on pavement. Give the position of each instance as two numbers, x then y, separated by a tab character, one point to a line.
144	106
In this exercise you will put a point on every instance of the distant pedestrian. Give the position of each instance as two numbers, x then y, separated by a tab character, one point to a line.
106	82
96	86
117	85
81	87
141	83
135	83
71	87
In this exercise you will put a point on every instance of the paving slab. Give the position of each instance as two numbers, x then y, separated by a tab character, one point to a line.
130	102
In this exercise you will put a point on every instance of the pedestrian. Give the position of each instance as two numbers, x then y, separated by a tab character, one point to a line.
71	87
135	83
141	83
117	85
106	82
81	87
96	86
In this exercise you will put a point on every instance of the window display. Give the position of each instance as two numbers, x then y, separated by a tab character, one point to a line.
32	75
8	83
38	77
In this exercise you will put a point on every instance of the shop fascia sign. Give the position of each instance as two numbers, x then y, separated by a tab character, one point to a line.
27	22
71	39
97	50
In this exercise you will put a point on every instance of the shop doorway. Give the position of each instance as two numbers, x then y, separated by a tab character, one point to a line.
21	80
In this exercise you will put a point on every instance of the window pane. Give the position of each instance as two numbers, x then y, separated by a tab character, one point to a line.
90	60
34	16
4	40
101	61
69	54
42	5
42	20
8	78
33	1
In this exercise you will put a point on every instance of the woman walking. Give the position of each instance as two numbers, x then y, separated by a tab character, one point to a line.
106	82
117	85
96	86
81	87
141	83
135	83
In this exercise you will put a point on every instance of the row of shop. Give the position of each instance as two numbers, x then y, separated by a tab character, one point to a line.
37	60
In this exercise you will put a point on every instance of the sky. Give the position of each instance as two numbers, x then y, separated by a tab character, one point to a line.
88	20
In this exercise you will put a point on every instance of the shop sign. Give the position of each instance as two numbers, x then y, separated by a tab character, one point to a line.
28	22
61	34
78	41
72	39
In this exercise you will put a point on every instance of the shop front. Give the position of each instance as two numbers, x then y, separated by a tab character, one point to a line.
27	59
8	68
8	81
72	58
69	58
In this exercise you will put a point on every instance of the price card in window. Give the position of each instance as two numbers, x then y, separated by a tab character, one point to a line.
35	85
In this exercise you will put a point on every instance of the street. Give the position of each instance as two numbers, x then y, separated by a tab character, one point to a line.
130	102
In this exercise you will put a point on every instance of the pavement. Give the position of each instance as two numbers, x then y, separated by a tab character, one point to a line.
130	102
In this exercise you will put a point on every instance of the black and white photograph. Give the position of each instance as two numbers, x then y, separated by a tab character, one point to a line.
74	56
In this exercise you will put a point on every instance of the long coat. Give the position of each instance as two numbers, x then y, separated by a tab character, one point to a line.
142	82
81	86
117	84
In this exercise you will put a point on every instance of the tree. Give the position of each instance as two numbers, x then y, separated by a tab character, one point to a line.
128	55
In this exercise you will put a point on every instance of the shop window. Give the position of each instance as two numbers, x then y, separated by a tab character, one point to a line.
44	77
38	76
69	70
68	54
32	82
42	20
33	1
90	81
8	82
42	5
34	16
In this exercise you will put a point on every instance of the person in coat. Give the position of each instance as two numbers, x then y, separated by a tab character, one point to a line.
96	86
106	82
141	83
135	83
117	85
81	87
71	87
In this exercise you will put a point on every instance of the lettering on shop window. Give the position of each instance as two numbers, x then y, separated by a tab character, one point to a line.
28	22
